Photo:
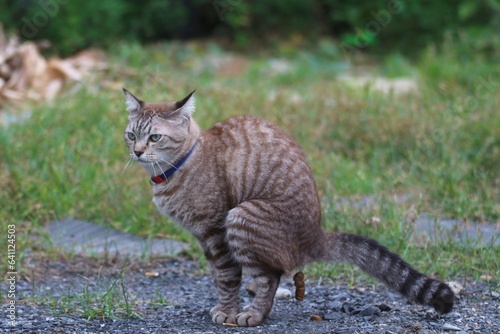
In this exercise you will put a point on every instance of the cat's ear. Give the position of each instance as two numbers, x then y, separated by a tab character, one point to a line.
186	106
133	103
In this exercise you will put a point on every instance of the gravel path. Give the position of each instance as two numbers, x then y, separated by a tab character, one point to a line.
178	300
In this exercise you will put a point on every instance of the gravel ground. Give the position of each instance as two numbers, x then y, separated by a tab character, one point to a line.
187	294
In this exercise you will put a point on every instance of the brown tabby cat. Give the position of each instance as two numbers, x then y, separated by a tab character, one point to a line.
243	188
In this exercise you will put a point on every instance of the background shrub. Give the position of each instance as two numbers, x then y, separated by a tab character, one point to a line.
77	24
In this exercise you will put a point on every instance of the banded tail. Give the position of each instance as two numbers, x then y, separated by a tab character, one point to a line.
388	267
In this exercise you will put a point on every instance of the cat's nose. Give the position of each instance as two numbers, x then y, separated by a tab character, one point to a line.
138	153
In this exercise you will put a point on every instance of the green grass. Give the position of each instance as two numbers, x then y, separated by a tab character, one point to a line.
441	145
100	298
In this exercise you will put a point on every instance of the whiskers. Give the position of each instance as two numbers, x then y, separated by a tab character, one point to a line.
129	162
154	162
155	165
168	163
161	170
158	163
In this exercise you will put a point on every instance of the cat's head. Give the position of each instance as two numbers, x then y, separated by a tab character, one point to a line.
157	133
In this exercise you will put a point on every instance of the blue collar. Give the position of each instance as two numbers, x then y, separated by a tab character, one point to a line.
163	177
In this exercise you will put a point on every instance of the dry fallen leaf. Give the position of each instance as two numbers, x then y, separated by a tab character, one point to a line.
152	273
316	318
26	74
487	278
229	324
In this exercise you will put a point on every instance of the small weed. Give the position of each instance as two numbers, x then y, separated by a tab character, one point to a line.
158	300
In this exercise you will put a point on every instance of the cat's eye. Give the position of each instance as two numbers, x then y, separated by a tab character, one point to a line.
131	135
154	138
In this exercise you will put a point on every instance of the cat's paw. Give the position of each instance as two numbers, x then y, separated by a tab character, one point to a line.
250	317
220	315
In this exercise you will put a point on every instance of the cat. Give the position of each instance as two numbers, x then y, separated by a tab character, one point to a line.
243	188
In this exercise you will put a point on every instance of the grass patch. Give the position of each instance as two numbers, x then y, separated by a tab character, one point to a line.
100	298
442	144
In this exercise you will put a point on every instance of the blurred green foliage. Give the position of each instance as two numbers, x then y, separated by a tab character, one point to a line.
72	25
377	25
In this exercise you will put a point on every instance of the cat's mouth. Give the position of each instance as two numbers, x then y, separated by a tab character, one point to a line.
140	156
140	159
144	160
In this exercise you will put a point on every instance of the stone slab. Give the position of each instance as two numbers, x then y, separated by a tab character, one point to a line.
475	234
82	237
428	229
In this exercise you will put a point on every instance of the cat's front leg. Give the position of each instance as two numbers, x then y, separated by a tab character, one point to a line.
226	274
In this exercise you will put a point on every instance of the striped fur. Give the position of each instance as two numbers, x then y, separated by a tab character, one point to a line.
248	195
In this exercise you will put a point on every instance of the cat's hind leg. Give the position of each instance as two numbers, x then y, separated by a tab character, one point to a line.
226	274
266	285
253	242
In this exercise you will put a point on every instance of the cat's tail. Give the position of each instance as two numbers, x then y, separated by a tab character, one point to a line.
388	267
